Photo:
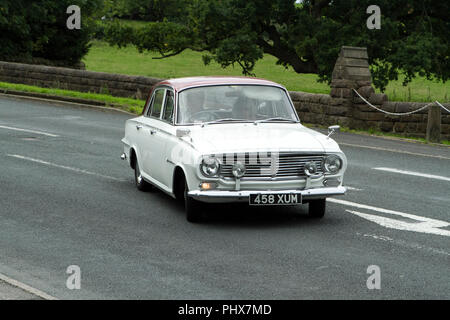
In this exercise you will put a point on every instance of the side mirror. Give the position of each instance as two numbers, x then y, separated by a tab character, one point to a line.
333	129
182	132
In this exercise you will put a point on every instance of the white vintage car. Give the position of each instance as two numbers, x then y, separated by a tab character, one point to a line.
231	139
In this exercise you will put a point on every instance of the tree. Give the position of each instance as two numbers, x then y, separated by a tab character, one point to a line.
14	31
147	10
414	36
37	29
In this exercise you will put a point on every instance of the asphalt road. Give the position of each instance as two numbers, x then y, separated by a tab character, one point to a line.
67	199
9	292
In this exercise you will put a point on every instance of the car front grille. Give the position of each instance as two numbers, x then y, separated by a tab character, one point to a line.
277	166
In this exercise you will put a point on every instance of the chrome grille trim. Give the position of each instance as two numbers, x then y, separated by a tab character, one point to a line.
288	166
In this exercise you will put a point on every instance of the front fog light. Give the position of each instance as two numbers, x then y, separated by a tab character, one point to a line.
331	182
310	168
238	170
210	166
332	164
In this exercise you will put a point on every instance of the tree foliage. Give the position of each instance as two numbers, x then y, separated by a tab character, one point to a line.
414	36
37	29
147	10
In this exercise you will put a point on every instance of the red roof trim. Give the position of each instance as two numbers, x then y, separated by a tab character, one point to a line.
182	83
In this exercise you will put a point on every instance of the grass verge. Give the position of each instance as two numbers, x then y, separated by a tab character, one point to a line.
127	104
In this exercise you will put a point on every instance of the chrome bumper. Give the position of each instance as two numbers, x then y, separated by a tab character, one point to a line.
218	196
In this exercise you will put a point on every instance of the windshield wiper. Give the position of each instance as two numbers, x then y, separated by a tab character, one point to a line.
222	120
275	119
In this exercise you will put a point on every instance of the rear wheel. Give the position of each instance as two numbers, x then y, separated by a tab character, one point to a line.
317	208
141	184
192	207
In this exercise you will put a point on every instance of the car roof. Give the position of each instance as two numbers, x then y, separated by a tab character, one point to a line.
183	83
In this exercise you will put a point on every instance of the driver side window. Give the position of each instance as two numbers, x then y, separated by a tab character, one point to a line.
168	107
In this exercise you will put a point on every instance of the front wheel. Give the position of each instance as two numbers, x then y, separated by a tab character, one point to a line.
192	207
317	208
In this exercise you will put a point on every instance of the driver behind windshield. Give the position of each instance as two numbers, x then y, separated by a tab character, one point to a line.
192	102
195	100
244	109
225	102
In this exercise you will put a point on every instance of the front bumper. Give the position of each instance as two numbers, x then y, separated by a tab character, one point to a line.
218	196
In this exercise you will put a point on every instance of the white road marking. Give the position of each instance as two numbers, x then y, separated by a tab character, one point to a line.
353	189
29	131
412	173
406	244
376	237
388	211
64	167
393	150
26	288
424	224
422	227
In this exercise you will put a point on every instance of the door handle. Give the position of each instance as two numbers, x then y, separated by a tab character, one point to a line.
152	132
138	126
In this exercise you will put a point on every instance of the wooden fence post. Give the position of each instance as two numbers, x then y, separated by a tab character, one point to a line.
434	124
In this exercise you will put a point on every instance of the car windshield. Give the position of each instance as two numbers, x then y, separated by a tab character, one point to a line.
234	103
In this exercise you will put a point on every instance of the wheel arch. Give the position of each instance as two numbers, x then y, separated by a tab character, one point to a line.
133	158
178	182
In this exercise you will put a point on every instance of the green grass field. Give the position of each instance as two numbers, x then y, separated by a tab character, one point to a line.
105	58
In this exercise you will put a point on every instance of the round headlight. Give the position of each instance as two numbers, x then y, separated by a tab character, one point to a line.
210	166
332	164
310	168
238	170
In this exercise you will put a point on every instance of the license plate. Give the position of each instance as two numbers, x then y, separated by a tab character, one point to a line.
272	199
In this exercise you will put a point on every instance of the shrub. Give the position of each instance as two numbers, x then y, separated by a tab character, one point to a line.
37	29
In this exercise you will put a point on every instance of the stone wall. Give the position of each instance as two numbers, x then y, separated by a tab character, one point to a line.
414	125
325	110
321	108
352	72
342	106
79	80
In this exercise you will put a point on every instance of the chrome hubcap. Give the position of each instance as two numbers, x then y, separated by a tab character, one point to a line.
138	175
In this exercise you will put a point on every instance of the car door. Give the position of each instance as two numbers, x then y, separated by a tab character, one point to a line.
167	135
139	135
159	124
149	145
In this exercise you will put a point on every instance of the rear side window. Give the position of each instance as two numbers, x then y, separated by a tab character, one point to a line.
157	103
168	107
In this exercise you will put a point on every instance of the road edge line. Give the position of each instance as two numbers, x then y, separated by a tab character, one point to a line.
58	100
26	288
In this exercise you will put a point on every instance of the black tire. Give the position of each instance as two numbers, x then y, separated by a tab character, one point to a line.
141	184
317	208
192	207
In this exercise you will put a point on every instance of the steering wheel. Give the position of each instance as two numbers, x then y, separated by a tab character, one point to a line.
204	116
